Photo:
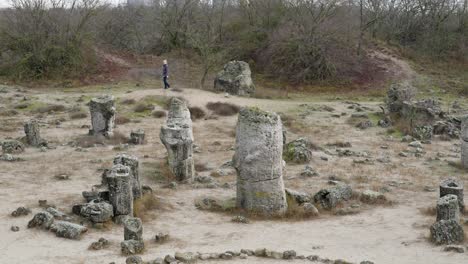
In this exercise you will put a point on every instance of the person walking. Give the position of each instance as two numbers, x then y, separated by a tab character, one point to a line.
166	75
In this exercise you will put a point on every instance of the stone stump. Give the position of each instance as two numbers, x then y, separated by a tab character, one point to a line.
120	190
133	229
133	163
235	79
258	160
452	186
447	208
33	135
464	142
177	137
102	111
137	137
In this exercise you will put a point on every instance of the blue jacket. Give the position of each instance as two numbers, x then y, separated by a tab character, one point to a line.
165	70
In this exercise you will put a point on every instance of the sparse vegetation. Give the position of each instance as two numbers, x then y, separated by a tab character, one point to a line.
196	113
223	109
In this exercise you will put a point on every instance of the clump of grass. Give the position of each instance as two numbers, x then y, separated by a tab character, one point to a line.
128	101
88	141
8	112
120	120
21	106
340	144
216	204
50	108
143	206
78	115
196	113
223	109
429	211
159	114
201	167
293	124
157	172
143	107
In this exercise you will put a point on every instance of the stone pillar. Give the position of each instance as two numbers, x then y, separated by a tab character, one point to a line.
137	137
259	162
447	229
177	137
33	135
102	111
452	186
120	190
447	208
464	142
133	229
133	164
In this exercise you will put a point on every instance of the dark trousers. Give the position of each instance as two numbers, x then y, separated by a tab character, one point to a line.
166	84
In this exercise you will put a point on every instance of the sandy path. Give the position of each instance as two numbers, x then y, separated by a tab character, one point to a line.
383	234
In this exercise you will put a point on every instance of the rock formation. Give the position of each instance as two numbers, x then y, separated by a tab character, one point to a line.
33	135
330	198
447	229
452	186
120	190
258	160
12	147
235	79
464	142
298	151
137	137
397	95
177	137
133	236
133	163
102	111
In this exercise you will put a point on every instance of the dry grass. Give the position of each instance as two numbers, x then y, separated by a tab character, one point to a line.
223	109
293	124
143	107
177	90
429	211
196	113
157	172
128	101
143	207
120	120
88	141
78	115
201	167
50	109
159	114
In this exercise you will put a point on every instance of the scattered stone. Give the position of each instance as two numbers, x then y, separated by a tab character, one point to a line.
134	260
240	219
130	247
100	244
97	211
133	229
454	248
330	198
204	179
133	163
120	190
67	230
12	147
57	213
261	252
455	187
169	259
415	144
309	171
14	228
310	209
423	132
10	158
161	237
186	257
235	79
137	137
365	124
372	197
407	138
259	162
298	197
62	177
298	151
177	137
41	220
20	211
102	111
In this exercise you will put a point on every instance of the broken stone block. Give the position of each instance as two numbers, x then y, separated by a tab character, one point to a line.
12	147
100	244
20	211
68	230
42	220
97	211
161	237
186	257
330	198
177	137
133	163
447	208
298	151
235	79
137	137
297	197
372	197
397	94
130	247
258	160
33	135
120	190
134	260
102	111
133	229
455	187
447	232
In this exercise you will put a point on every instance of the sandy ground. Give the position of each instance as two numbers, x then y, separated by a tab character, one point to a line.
383	234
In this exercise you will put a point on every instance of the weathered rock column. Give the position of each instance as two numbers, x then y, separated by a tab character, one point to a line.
133	236
133	163
33	135
464	142
452	186
447	228
177	137
102	111
120	190
259	162
137	137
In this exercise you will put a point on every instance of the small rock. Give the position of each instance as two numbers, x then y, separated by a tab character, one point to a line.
415	144
289	254
42	220
161	237
15	228
100	244
310	209
134	260
169	259
261	252
372	197
67	229
130	247
240	219
309	172
454	248
186	257
20	211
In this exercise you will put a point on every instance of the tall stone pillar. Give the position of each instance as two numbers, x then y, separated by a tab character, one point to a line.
133	163
464	142
120	190
177	137
33	135
259	162
102	111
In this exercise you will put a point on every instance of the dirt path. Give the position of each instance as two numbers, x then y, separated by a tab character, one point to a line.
395	234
